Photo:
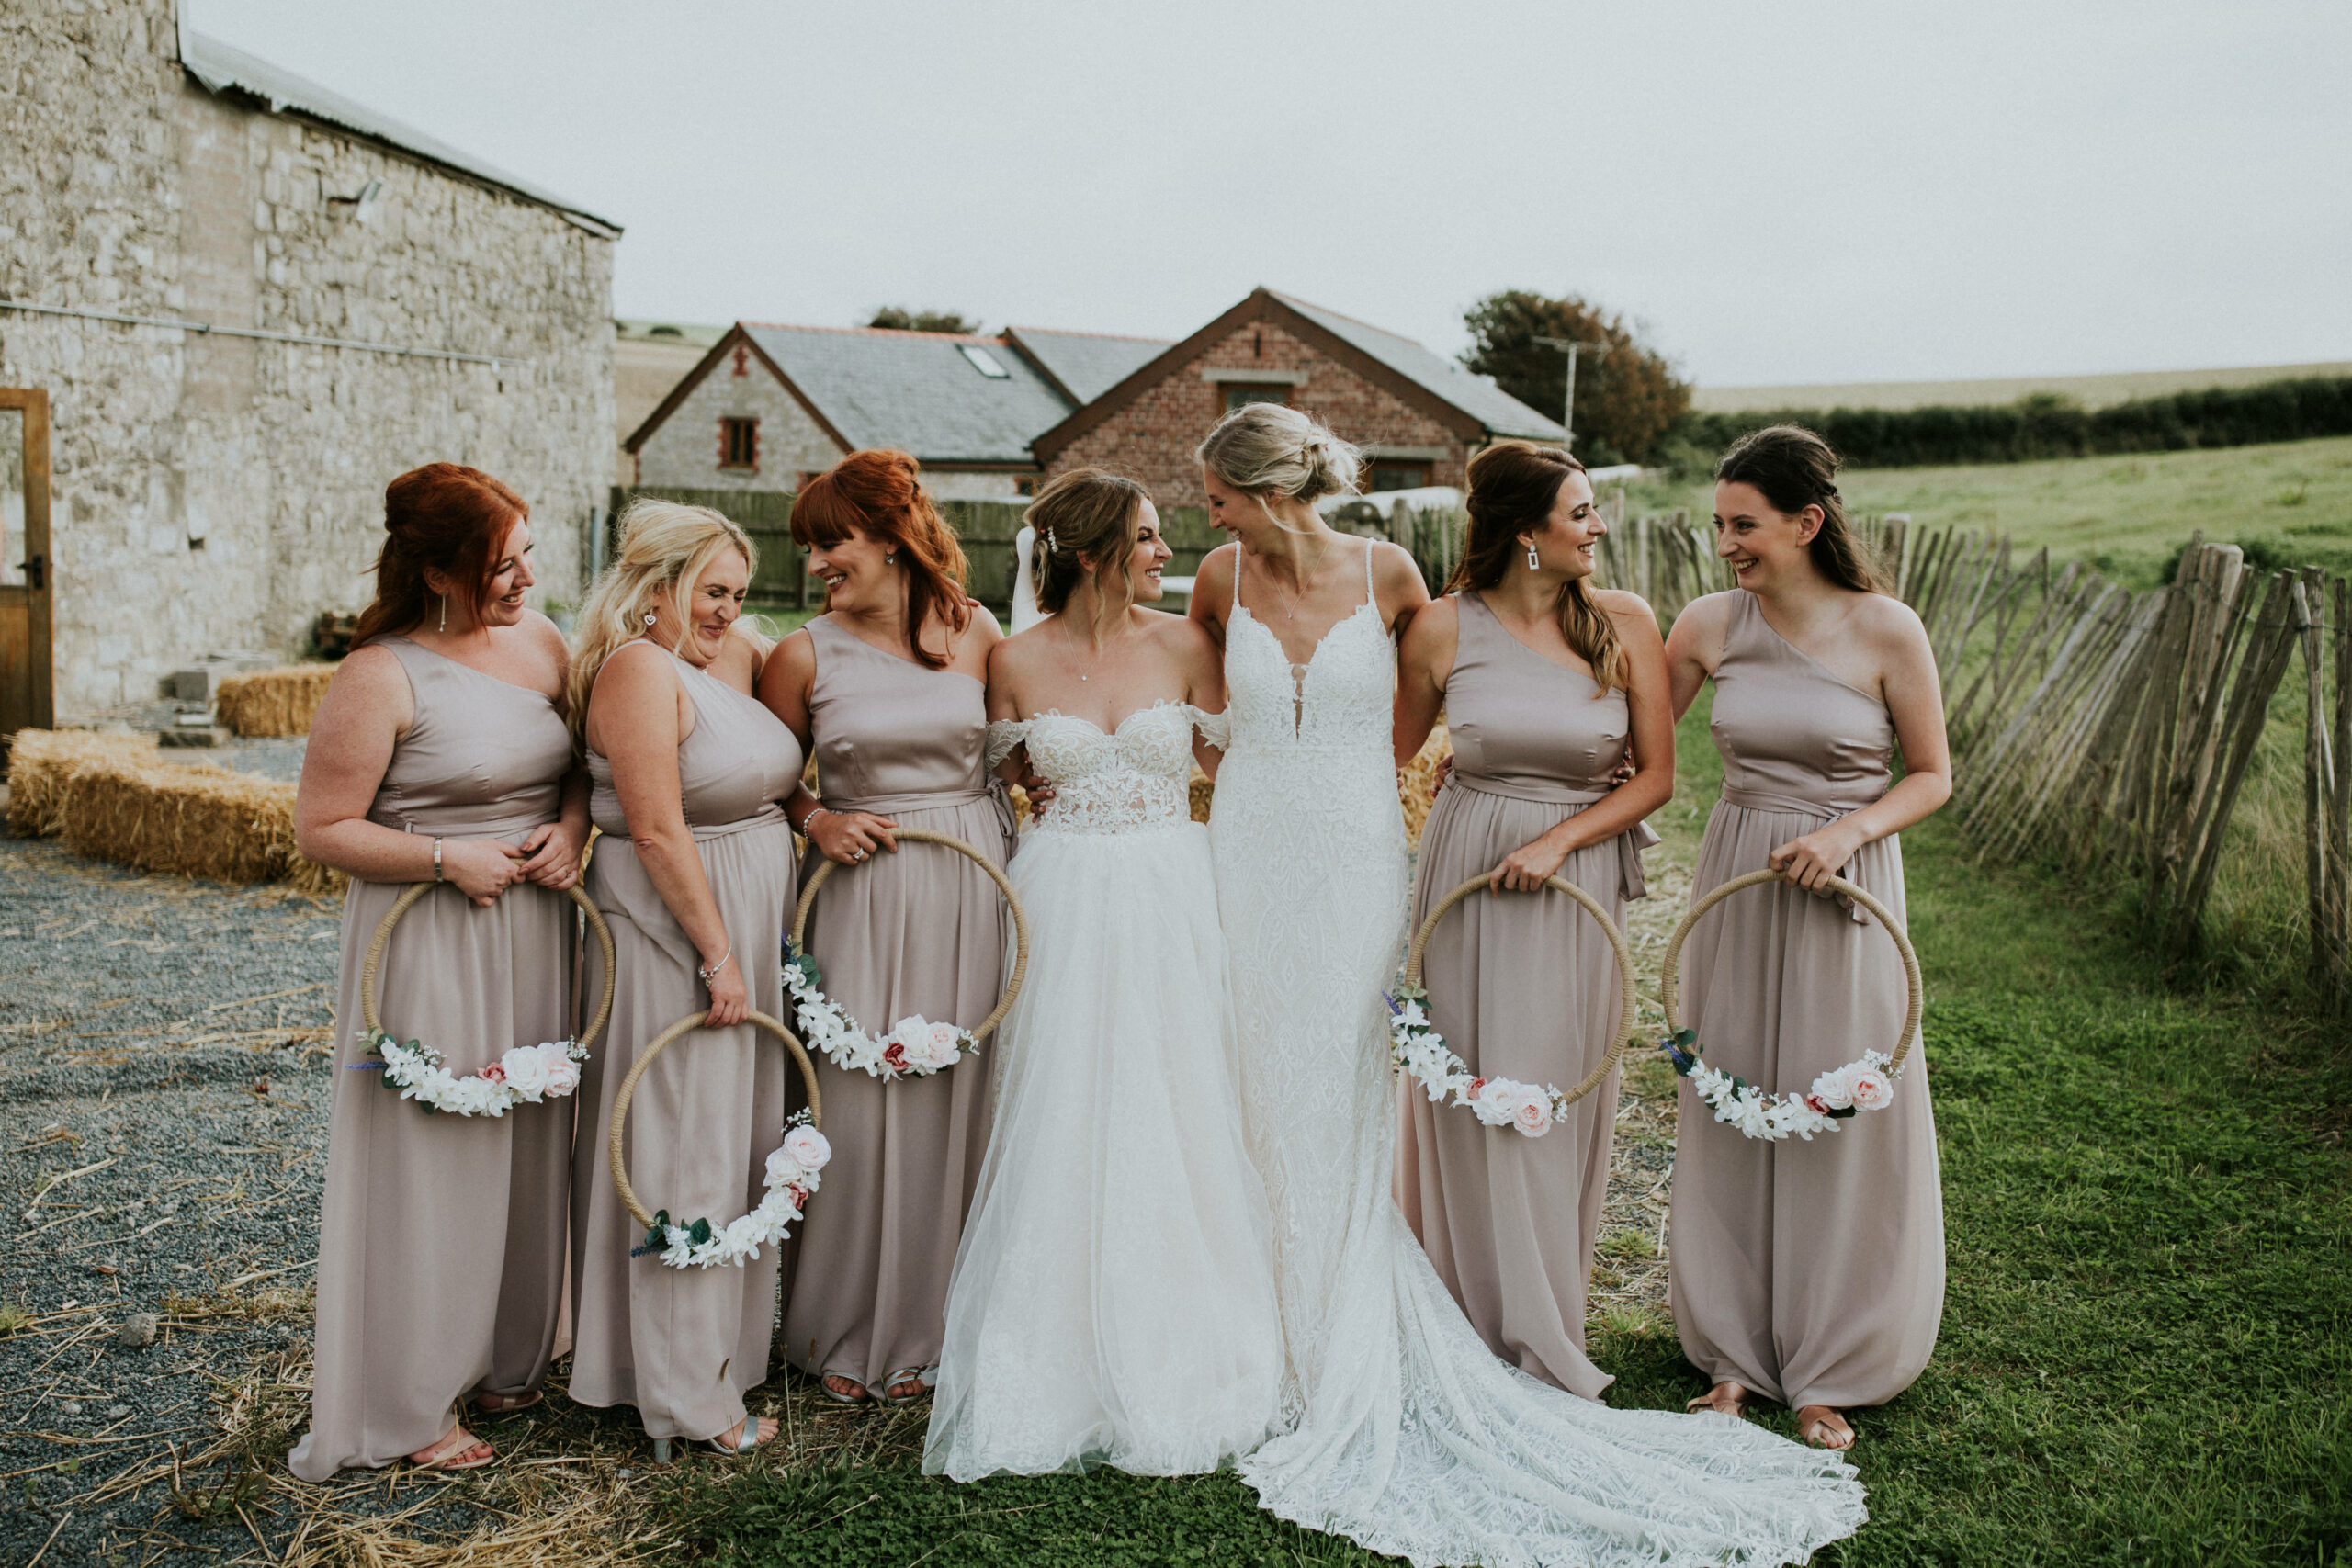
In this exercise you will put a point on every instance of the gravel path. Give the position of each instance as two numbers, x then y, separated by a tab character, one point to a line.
163	1089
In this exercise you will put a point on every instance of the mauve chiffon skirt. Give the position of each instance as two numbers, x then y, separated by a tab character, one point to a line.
1811	1272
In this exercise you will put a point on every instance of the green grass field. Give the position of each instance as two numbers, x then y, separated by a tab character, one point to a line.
2125	514
2147	1345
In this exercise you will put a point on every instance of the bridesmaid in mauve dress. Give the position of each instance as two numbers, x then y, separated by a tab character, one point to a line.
1810	1273
889	689
440	755
693	874
1524	986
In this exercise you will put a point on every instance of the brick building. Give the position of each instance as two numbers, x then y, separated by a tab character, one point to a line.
1418	416
245	303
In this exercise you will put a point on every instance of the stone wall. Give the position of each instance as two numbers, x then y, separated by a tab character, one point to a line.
1153	437
217	493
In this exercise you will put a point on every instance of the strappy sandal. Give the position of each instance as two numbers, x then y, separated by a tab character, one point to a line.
748	1437
450	1452
507	1404
899	1379
1740	1395
825	1386
1818	1431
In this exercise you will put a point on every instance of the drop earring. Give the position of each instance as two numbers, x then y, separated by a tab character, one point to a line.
649	619
889	558
1533	562
445	612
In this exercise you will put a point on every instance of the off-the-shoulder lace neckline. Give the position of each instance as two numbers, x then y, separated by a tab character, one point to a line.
1118	728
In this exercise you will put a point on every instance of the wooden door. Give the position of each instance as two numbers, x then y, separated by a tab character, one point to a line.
27	583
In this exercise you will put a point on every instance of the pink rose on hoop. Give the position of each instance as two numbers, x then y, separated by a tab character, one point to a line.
1534	1115
1870	1089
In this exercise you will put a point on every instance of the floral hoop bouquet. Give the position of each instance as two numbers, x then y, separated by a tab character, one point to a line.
1420	1051
792	1176
522	1074
1866	1084
913	1047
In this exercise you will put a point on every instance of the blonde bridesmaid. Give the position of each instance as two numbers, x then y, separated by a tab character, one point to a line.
440	755
887	690
1807	1273
1548	685
694	873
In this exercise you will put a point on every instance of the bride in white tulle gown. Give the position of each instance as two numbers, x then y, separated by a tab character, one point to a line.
1403	1432
1113	1300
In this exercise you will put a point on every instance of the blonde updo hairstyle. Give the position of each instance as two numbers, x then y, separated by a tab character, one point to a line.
1089	513
664	549
1272	449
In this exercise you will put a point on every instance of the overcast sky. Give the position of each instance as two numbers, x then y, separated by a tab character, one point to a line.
1790	191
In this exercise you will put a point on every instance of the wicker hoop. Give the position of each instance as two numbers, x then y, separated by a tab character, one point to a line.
1618	1033
370	971
1668	986
660	1043
1020	916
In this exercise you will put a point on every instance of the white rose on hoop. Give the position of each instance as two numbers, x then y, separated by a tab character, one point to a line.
1866	1085
524	1075
791	1175
913	1047
1421	1052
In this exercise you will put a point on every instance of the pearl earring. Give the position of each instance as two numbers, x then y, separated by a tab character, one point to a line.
1532	563
445	612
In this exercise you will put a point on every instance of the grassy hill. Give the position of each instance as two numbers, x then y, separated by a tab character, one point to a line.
2125	514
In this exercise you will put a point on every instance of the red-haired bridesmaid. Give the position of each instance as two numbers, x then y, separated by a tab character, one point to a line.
887	690
441	755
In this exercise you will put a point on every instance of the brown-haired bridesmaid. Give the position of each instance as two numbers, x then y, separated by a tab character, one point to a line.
1810	1273
693	875
887	690
440	754
1548	684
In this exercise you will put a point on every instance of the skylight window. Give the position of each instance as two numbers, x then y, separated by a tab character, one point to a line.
984	362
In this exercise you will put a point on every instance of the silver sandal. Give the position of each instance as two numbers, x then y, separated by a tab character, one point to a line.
904	1374
746	1439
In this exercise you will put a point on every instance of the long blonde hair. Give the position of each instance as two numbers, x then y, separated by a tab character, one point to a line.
1513	487
664	547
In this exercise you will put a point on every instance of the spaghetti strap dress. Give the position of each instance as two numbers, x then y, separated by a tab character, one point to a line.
682	1345
921	931
1811	1272
441	1236
1522	986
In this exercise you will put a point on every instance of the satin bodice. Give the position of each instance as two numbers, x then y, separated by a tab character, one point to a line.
1522	725
735	767
481	757
1795	736
890	733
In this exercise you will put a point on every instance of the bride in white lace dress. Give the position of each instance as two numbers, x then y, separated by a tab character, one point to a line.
1403	1431
1113	1300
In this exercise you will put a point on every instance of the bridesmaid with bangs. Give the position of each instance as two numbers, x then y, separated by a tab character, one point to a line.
1548	684
887	691
1810	1273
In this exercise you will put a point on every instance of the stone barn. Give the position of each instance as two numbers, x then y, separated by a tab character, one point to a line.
245	303
1418	417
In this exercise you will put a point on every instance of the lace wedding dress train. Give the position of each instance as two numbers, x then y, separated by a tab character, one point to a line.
1403	1432
1113	1300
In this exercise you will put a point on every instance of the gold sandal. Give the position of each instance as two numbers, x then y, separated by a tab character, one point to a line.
1739	1397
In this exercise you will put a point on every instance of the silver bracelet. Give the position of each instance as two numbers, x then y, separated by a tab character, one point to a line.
805	822
715	968
436	860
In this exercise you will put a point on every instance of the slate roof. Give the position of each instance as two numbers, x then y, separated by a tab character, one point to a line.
1086	365
917	391
1501	414
218	65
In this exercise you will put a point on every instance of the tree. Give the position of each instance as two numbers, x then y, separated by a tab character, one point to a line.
906	320
1626	401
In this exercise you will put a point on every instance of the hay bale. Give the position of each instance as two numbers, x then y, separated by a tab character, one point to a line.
41	761
273	701
192	821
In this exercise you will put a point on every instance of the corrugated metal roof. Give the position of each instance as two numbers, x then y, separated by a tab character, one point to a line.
220	65
916	392
1087	364
1501	414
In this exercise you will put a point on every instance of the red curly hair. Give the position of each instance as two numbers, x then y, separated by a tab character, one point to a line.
879	496
446	516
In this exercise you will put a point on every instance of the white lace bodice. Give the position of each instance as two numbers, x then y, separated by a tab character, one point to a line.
1133	779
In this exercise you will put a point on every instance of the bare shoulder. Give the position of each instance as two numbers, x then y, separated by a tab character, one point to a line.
1882	615
1710	613
1441	616
1216	570
544	634
984	625
1180	634
1622	603
1393	568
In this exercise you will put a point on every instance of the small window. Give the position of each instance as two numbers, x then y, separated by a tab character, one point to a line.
1024	486
739	444
1399	476
984	362
1239	394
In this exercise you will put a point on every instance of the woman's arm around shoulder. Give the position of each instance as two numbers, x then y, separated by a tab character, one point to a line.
1213	590
1424	663
1696	646
1397	585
